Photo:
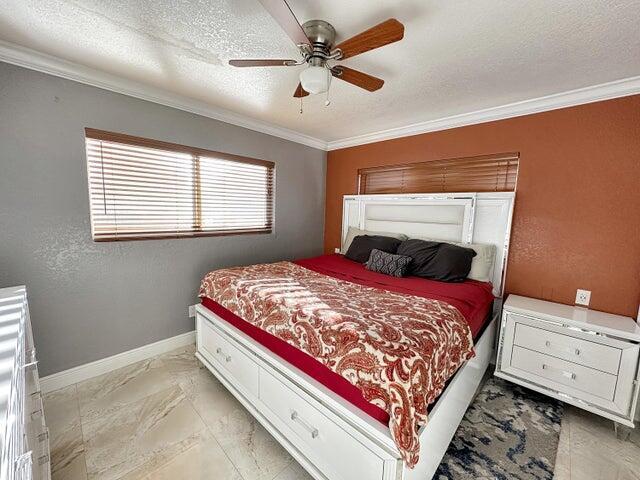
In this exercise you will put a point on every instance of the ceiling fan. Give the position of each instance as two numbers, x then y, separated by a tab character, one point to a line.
315	39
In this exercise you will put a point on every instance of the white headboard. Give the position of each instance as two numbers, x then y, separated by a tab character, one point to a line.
454	217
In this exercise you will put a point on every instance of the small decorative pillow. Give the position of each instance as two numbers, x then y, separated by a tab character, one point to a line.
388	263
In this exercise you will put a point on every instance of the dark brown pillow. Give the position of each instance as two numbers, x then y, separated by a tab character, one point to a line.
437	260
421	251
361	246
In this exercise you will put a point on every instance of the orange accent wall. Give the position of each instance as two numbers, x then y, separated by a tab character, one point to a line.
577	212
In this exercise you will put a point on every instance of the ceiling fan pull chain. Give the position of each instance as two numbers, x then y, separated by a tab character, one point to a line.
327	102
300	105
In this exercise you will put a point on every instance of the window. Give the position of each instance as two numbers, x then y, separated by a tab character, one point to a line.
141	189
487	173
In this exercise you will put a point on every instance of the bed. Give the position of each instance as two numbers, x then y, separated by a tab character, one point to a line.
335	429
472	298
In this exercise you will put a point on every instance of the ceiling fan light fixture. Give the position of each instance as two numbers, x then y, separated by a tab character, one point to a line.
315	79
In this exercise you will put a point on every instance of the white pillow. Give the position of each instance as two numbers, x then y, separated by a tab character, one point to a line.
354	232
482	263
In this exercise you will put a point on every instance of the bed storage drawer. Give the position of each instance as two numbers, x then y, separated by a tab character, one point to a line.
226	356
330	447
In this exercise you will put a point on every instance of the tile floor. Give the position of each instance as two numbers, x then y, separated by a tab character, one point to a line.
590	450
169	418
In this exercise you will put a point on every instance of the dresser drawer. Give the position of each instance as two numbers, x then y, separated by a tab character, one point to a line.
37	436
227	357
583	352
330	447
578	377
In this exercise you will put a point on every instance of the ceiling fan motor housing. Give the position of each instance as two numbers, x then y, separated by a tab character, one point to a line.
321	35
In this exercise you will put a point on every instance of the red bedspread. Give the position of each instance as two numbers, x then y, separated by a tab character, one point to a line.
472	298
381	342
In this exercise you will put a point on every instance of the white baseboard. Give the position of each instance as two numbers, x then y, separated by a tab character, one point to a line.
105	365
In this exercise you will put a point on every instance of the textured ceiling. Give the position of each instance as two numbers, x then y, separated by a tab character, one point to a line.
456	57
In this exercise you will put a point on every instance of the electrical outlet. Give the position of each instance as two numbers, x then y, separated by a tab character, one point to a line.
192	310
583	297
336	250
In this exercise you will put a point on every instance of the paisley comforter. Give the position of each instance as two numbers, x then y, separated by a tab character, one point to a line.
399	350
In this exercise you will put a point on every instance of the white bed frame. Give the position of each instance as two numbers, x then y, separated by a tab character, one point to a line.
327	435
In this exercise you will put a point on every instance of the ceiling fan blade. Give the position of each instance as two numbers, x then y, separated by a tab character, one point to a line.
300	92
262	63
382	34
357	78
282	13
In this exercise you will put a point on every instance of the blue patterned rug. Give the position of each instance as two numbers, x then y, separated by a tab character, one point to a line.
508	433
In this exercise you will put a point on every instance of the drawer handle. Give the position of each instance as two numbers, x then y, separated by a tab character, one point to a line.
30	365
30	359
227	358
313	431
564	373
568	350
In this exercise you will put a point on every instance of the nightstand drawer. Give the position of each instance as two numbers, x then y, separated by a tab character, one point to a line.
576	350
594	382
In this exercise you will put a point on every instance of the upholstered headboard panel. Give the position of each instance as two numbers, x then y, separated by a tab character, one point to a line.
460	217
440	220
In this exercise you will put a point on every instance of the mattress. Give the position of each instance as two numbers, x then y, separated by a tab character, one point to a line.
473	300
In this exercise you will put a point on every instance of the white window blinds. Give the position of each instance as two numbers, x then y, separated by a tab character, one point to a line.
140	188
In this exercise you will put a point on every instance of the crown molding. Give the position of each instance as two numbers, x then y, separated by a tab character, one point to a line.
41	62
605	91
28	58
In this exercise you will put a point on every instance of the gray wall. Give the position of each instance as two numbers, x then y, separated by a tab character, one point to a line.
90	300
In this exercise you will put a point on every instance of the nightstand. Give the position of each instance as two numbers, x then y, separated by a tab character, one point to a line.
583	357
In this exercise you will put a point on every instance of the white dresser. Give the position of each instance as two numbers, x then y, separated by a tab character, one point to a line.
583	357
24	438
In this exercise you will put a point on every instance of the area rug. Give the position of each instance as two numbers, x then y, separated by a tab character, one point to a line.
507	433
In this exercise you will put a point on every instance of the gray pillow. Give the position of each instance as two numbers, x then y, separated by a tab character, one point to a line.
482	263
388	263
355	232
